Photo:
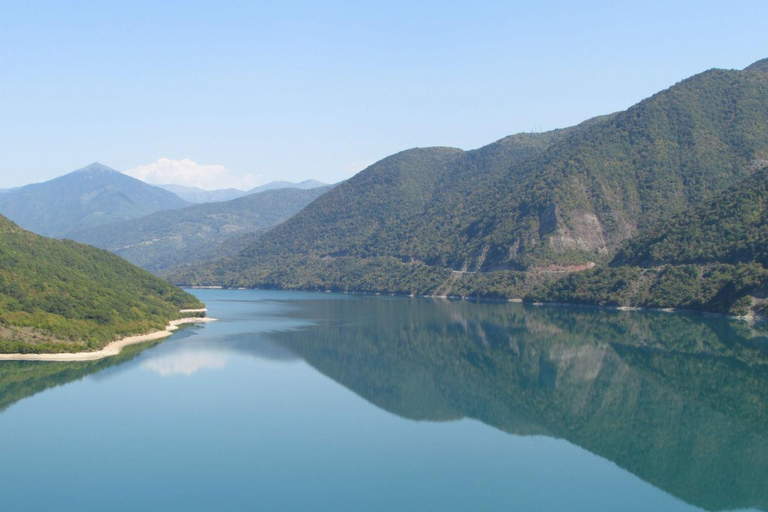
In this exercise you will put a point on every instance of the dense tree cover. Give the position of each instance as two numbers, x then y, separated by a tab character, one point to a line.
711	257
92	196
522	203
760	66
718	288
182	236
732	227
529	200
368	275
59	296
678	400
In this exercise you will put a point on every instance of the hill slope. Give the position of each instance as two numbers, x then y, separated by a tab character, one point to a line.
170	238
60	296
92	196
730	228
521	204
711	257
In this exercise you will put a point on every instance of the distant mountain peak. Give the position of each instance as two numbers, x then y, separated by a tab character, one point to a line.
87	197
96	167
760	66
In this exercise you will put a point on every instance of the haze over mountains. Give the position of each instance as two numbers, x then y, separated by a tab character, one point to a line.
152	226
176	237
443	220
92	196
505	220
198	195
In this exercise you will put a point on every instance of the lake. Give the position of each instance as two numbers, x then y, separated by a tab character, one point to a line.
314	401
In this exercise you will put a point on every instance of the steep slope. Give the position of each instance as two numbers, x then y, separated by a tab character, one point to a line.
523	203
711	257
760	66
198	195
175	237
60	296
730	228
588	191
92	196
415	205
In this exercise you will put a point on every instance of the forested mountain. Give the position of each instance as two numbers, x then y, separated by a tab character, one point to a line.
198	195
174	237
92	196
760	66
732	227
442	220
61	296
711	257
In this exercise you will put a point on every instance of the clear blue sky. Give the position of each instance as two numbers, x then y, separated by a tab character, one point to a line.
296	90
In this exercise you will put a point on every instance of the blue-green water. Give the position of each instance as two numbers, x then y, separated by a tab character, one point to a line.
298	401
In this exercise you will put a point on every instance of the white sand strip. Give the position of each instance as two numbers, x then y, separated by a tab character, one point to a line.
110	350
201	310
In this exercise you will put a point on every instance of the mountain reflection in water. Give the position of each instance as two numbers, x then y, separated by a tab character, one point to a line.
681	401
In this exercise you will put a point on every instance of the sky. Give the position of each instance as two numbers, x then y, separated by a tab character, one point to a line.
240	93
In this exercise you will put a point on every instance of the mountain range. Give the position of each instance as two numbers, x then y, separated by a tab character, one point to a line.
660	205
198	195
505	219
92	196
172	238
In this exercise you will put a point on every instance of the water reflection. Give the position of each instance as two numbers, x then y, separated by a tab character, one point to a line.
680	401
185	362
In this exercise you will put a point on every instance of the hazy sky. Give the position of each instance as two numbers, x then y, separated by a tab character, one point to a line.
239	93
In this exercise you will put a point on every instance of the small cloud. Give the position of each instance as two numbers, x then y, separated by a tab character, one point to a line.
191	174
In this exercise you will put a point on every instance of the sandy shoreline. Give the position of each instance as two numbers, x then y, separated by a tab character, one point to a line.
110	350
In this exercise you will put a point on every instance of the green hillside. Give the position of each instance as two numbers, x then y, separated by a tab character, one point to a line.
730	228
712	257
499	220
92	196
172	238
61	296
564	197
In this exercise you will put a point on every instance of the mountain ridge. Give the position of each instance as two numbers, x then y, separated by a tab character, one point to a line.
91	196
170	238
496	220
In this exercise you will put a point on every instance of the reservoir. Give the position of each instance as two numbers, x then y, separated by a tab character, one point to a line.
330	402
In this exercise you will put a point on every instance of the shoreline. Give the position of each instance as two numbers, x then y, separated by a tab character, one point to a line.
112	349
749	318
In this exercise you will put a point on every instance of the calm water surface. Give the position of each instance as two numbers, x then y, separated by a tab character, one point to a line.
299	401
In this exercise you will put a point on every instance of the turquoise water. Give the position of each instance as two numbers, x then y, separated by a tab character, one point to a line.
300	401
